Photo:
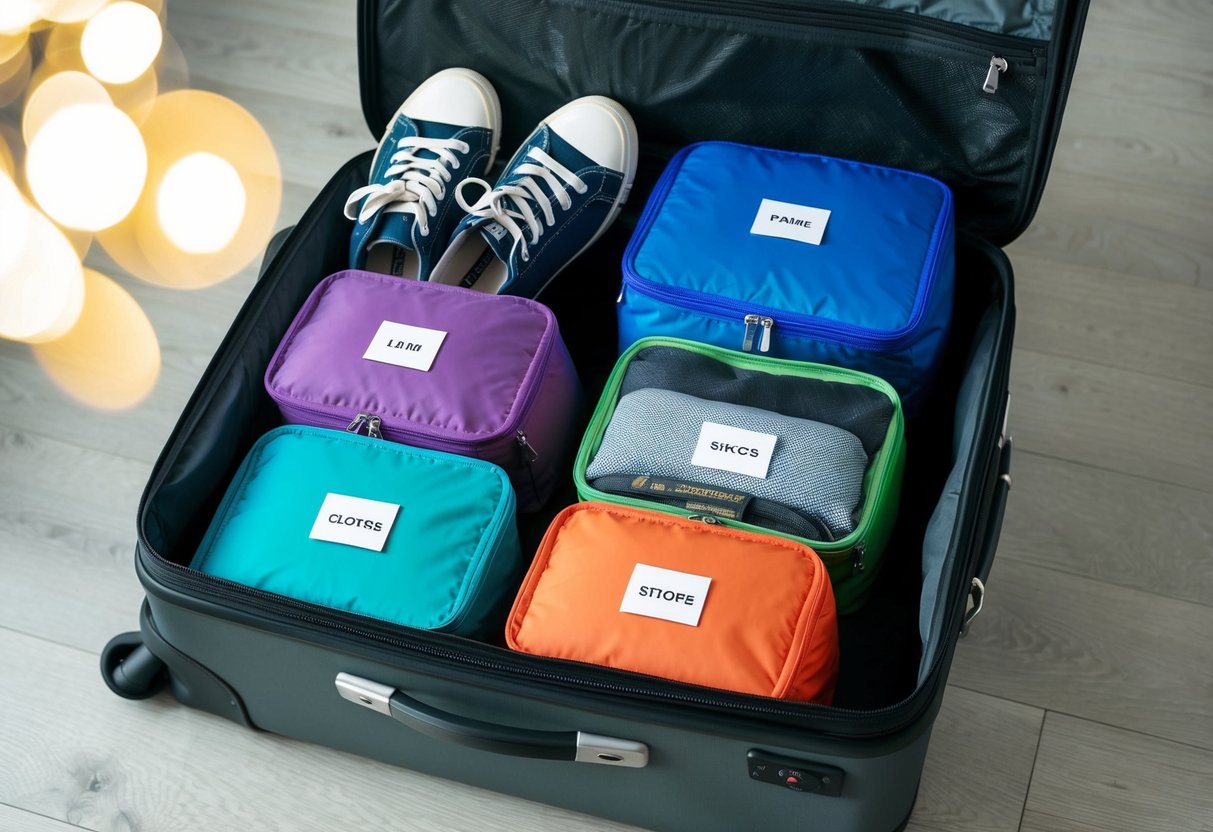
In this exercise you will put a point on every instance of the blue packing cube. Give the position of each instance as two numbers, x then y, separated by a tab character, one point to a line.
410	536
796	255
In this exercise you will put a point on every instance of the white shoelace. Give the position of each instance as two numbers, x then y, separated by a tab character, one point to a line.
524	192
416	185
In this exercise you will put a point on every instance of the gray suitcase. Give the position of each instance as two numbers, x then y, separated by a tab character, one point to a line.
972	95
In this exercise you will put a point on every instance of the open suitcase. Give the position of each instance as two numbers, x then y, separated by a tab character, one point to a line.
969	91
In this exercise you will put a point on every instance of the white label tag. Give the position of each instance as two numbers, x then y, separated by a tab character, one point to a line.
664	593
790	221
727	448
354	521
405	346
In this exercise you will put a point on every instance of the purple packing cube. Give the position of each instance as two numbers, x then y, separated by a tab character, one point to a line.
440	367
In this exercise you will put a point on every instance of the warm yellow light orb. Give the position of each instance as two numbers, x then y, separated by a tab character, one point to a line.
200	203
111	358
86	166
14	225
72	11
121	41
58	92
16	15
42	291
11	44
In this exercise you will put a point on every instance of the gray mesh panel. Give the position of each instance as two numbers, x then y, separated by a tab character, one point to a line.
816	468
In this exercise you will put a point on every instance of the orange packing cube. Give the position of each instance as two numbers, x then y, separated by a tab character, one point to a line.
682	599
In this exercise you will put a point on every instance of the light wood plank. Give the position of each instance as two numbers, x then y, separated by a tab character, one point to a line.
1087	648
965	787
1116	320
67	541
1126	227
97	761
324	65
1111	418
1160	25
321	17
1102	136
1073	518
1117	781
13	819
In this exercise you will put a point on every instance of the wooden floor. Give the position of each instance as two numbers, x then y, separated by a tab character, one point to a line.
1083	699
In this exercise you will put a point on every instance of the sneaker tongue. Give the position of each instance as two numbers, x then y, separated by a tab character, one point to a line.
498	239
395	228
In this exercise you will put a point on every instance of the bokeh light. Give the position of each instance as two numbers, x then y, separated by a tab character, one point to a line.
16	15
181	124
14	224
61	53
12	43
110	359
121	41
15	75
107	171
200	203
42	290
7	167
72	11
136	98
57	92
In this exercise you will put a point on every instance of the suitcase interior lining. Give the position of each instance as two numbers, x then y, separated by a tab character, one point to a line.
881	651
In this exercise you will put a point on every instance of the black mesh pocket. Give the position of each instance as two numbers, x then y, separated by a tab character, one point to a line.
861	410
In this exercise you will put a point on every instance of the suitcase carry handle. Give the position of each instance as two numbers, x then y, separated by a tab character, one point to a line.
571	746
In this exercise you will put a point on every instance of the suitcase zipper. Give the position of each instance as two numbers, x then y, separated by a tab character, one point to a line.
905	30
998	65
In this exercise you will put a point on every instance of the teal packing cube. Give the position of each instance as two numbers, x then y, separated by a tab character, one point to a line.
415	537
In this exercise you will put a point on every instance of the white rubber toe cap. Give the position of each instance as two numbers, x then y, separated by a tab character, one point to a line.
600	128
455	96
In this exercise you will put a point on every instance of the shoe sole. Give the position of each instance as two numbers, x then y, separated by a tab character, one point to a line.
487	93
632	151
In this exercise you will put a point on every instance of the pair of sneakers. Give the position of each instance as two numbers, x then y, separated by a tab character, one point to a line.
426	214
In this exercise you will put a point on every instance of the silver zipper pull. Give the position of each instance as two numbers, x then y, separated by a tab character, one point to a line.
528	452
372	423
710	519
765	344
997	67
751	326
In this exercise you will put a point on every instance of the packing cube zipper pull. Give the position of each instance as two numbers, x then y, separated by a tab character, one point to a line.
997	67
767	324
751	326
373	425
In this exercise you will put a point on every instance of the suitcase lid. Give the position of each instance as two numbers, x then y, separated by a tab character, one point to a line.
969	91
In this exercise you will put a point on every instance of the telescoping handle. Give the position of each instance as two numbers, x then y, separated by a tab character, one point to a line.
571	746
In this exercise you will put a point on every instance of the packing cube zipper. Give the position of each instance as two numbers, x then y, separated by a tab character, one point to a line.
852	560
435	367
798	256
409	536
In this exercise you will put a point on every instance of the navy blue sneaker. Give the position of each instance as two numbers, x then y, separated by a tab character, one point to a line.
443	134
562	189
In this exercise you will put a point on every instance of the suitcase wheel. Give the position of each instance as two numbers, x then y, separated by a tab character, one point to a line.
130	669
